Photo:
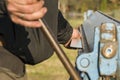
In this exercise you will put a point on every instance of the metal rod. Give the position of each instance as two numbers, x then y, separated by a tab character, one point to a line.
60	53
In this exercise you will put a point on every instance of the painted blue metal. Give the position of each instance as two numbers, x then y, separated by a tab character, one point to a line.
118	61
108	55
91	69
103	60
94	63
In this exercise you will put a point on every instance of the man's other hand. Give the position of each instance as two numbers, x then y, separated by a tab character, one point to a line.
26	12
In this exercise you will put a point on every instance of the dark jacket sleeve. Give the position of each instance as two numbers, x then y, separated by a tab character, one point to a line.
64	29
3	10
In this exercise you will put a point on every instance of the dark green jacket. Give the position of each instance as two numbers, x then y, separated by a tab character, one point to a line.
29	44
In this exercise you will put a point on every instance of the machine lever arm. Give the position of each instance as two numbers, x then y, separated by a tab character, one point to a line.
60	53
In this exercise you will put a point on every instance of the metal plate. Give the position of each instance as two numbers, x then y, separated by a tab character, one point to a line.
95	20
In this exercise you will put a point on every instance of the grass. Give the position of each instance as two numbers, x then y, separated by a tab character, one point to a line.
52	69
75	22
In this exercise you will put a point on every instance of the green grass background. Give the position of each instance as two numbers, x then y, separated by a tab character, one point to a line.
52	69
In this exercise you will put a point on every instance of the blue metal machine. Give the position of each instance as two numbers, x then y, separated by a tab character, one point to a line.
99	58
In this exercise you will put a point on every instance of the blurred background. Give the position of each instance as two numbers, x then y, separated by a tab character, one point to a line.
73	11
76	8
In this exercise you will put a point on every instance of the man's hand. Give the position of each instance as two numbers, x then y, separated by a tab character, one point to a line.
26	12
75	35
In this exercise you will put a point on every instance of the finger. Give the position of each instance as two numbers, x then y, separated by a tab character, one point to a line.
30	1
33	1
32	24
13	7
23	2
76	34
33	16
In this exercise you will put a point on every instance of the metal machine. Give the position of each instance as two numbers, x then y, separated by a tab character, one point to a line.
99	49
99	58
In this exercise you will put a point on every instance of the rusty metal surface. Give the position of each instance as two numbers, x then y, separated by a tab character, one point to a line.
102	62
95	20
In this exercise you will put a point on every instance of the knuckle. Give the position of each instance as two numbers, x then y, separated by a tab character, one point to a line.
40	15
41	3
29	9
34	16
9	7
31	1
13	18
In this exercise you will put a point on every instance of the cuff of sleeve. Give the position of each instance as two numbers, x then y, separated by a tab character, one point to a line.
66	36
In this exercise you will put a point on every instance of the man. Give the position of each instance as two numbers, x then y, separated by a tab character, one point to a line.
22	41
